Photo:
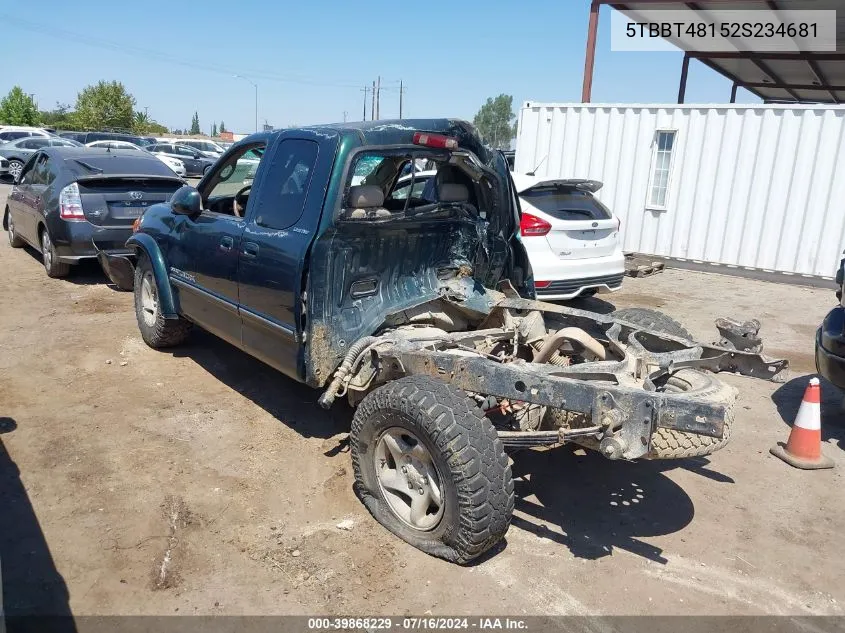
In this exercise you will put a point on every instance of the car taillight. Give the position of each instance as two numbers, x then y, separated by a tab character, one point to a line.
532	225
618	223
435	140
70	204
542	284
136	225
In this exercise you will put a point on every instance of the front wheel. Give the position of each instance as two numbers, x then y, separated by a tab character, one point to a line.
431	469
156	331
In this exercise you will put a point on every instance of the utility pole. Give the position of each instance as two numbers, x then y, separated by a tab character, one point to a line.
401	90
378	99
365	90
373	107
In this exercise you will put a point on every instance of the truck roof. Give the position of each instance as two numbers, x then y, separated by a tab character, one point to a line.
396	132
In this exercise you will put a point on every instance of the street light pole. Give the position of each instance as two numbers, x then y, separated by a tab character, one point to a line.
254	85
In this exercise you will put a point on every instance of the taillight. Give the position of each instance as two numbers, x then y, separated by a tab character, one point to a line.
136	225
70	204
435	140
542	284
618	223
532	225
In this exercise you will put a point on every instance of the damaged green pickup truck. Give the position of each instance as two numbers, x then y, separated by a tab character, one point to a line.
417	305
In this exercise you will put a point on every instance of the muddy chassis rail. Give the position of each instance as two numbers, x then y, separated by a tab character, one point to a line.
623	418
619	398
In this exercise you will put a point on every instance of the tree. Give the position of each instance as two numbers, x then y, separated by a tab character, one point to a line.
195	124
17	108
214	129
141	123
222	127
106	105
494	121
62	117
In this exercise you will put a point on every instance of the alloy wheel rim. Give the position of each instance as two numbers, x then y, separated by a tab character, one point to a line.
149	300
46	250
15	168
409	479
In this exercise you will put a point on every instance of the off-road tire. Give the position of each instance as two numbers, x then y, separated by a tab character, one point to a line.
476	478
163	332
49	258
15	240
695	385
652	320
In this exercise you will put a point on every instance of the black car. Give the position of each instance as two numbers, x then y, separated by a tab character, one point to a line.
73	202
90	137
195	163
830	337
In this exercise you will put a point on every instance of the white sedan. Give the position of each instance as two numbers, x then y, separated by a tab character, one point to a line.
571	238
174	163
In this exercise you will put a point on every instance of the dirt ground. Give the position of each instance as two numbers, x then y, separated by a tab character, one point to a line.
200	481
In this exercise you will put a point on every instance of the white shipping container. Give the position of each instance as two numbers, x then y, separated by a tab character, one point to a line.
753	186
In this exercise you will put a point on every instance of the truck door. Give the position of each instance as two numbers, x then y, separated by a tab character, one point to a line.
204	256
282	218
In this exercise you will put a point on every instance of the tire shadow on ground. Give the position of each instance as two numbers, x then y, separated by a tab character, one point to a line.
290	402
787	399
32	587
597	504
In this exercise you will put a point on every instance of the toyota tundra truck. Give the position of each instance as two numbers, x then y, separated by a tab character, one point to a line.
416	303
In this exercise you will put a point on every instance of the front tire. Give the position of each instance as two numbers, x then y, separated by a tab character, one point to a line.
156	331
419	434
50	259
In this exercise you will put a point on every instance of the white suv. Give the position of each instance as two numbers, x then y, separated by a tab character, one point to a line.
572	239
14	132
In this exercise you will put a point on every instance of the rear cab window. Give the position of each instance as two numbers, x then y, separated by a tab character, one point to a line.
410	180
566	203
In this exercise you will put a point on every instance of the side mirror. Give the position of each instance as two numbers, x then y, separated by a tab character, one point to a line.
186	201
197	155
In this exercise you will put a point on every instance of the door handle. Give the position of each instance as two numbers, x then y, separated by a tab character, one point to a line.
250	249
226	243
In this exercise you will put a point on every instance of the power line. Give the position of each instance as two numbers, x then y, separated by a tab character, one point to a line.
138	51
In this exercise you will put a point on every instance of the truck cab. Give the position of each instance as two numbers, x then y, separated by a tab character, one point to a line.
292	262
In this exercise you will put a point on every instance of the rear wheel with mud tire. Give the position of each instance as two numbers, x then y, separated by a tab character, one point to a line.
696	385
431	469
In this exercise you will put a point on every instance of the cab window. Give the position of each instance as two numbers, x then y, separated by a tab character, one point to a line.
232	178
287	184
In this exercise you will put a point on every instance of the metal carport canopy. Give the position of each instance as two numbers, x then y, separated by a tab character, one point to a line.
795	76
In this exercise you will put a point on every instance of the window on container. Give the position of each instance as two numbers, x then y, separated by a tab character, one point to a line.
658	189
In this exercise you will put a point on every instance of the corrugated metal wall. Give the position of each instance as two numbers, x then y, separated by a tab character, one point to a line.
751	186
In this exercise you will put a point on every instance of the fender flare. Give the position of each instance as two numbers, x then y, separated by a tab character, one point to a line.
145	243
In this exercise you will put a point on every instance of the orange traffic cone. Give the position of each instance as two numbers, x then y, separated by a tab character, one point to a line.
804	447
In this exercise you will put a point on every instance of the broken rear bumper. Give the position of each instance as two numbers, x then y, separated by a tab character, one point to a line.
119	268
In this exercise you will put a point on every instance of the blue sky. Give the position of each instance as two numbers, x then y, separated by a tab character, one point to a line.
311	59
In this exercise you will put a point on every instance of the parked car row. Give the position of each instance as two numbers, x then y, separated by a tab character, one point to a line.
187	157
